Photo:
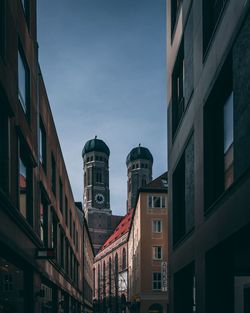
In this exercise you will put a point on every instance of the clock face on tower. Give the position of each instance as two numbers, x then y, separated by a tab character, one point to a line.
99	198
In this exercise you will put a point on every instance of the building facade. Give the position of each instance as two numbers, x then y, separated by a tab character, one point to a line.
148	249
110	270
40	232
208	46
96	196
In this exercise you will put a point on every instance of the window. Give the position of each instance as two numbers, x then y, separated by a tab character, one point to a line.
178	105
212	11
53	230
94	282
157	226
99	177
116	274
12	284
89	176
74	232
23	80
157	253
110	277
228	140
66	211
183	193
67	249
77	240
62	243
24	188
25	5
42	145
60	195
53	174
43	220
2	28
156	201
104	279
4	151
219	137
156	281
124	259
70	223
183	74
175	5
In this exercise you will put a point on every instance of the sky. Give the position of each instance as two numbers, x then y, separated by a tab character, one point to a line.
104	67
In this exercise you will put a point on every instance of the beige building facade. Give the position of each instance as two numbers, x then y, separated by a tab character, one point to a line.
148	249
110	270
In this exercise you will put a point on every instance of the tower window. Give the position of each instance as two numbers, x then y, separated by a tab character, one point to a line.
99	177
42	145
23	80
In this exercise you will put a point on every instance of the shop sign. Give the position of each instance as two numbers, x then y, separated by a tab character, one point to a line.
45	253
164	276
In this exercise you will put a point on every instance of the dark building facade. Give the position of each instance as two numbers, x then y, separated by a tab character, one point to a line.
208	46
139	168
41	253
96	195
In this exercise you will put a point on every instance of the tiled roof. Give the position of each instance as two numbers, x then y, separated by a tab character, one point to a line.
159	182
121	229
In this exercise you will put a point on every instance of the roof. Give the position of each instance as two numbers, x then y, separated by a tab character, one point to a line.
121	229
159	182
139	153
95	145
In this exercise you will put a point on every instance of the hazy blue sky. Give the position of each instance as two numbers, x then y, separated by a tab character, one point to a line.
103	63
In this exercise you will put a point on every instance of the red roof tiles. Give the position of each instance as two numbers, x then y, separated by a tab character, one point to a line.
121	229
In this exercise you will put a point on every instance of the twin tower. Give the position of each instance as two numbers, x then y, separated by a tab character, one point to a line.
96	197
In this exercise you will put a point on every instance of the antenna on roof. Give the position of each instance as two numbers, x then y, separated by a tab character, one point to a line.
95	136
139	144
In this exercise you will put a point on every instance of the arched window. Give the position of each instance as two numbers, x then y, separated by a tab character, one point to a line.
99	282
124	259
110	276
104	279
116	273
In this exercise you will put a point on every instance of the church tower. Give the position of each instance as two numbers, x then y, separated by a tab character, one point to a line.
96	199
139	165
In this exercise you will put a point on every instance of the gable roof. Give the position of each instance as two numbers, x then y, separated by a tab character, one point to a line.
122	228
159	182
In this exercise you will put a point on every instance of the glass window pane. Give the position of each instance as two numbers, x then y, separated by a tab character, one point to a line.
22	82
157	202
150	201
22	188
228	123
42	222
163	202
12	290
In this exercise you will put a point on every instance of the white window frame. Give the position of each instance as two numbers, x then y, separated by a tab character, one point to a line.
155	223
156	281
156	251
151	201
